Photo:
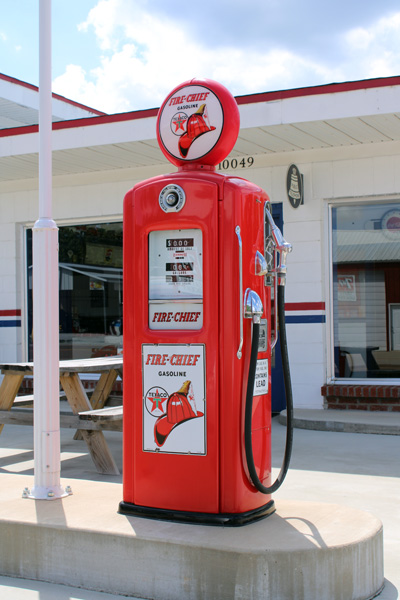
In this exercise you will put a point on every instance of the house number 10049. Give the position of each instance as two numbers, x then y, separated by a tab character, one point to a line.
235	163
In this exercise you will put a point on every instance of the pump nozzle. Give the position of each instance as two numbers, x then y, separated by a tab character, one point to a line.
280	243
280	246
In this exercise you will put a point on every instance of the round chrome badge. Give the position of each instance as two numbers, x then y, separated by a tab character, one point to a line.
172	198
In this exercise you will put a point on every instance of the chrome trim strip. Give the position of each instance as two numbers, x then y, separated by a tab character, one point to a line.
239	352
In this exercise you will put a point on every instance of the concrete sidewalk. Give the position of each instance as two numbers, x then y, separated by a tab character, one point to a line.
357	471
349	421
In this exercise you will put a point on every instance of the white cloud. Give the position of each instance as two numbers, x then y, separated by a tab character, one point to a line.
152	56
359	38
144	56
375	50
103	18
74	84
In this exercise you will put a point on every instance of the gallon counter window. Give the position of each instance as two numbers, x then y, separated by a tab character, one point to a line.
366	290
90	290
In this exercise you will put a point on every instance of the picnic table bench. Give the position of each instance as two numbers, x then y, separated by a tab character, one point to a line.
88	417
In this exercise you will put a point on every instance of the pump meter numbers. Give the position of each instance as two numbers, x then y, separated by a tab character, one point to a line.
180	243
175	269
179	278
181	266
178	272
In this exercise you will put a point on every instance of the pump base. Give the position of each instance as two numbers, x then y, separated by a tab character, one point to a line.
224	519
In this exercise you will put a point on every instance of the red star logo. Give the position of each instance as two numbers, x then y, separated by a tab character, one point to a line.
156	402
179	123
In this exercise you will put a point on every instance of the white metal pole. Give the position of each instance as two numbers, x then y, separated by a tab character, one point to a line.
45	293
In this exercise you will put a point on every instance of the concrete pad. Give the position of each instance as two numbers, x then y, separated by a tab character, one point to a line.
305	551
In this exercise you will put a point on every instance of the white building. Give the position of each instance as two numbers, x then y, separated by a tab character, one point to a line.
343	282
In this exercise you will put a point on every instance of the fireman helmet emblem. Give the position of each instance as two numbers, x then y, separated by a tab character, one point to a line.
181	407
195	127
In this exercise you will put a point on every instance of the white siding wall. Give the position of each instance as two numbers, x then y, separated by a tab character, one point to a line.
334	175
345	177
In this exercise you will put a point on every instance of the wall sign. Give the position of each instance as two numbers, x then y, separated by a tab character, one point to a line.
347	291
390	224
294	186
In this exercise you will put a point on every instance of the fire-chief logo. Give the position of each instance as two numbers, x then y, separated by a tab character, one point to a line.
191	122
180	407
189	128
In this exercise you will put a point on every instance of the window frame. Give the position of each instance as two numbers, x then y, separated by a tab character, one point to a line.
24	263
329	301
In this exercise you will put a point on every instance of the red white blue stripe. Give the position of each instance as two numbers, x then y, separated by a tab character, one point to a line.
10	318
305	312
295	312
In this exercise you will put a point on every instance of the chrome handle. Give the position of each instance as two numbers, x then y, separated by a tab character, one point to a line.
275	338
253	306
260	264
239	352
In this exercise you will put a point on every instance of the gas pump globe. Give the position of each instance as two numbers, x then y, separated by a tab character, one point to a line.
201	256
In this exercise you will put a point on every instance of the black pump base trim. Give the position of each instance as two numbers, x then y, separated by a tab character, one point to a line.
226	519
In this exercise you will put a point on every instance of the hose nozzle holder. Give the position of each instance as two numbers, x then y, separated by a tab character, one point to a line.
253	307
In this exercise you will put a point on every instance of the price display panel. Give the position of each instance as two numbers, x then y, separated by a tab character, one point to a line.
176	279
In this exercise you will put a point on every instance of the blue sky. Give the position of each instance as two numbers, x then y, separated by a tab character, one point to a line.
120	55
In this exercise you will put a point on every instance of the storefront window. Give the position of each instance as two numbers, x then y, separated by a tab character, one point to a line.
366	290
90	290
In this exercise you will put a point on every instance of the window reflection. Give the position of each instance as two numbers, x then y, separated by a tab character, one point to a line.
90	290
366	290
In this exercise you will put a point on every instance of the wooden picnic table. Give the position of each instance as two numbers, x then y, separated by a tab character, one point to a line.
89	417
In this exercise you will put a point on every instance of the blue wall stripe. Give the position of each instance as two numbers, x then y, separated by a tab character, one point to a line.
10	323
305	318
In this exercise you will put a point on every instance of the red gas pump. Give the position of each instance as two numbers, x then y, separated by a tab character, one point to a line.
200	262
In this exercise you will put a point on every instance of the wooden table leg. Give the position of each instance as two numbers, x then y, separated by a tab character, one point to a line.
101	393
95	440
103	389
100	452
8	390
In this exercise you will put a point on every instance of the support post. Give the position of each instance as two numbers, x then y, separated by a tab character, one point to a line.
45	293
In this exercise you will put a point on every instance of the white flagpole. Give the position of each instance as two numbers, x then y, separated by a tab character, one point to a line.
45	293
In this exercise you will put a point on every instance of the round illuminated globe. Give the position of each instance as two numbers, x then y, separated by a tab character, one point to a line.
198	123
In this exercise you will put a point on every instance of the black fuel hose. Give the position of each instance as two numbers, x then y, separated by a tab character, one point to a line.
289	401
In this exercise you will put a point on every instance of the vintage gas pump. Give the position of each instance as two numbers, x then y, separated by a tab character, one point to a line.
202	257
